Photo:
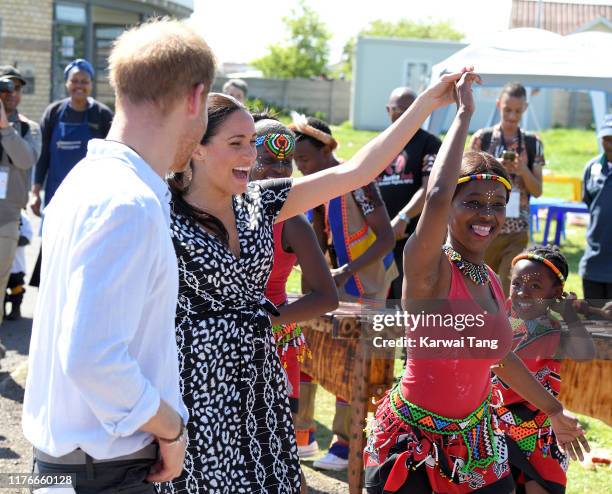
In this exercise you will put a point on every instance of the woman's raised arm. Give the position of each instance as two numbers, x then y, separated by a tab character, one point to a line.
318	188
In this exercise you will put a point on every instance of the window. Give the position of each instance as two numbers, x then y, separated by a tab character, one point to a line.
417	75
68	41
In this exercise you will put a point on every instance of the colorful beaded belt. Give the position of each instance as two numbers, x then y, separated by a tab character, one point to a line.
290	335
475	429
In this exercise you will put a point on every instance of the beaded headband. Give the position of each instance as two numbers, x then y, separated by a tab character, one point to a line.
300	124
486	176
535	257
278	145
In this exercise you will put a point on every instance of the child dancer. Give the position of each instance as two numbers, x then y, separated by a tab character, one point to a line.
536	289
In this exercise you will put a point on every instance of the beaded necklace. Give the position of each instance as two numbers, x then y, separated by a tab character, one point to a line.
478	273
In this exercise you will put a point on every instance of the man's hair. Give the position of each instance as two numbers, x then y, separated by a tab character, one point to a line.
514	90
238	84
158	62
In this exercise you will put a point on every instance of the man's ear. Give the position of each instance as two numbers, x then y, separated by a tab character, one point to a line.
525	105
196	100
498	104
199	153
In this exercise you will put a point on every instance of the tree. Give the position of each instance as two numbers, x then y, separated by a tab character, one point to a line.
305	52
403	28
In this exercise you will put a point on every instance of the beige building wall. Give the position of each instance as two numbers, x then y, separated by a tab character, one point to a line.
25	41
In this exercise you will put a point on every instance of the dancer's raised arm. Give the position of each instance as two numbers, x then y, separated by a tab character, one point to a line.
422	253
318	188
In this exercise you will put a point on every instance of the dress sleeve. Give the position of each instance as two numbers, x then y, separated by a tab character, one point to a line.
273	195
368	198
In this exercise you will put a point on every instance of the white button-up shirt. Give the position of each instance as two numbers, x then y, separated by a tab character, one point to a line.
103	349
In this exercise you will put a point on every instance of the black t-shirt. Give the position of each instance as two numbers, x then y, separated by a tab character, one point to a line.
404	176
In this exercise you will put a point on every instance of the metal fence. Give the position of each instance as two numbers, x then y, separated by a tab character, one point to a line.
330	98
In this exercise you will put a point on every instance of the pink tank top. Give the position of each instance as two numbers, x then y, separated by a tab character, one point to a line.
281	269
453	382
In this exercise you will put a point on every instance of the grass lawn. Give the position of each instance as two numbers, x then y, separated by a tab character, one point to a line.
566	151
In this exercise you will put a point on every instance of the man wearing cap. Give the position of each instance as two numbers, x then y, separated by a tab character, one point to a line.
19	150
596	263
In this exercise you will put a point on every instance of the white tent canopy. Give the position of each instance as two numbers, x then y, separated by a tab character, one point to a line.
538	58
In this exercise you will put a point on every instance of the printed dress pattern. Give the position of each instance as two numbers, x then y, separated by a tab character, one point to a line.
241	437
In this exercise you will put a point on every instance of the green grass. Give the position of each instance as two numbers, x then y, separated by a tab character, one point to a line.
566	151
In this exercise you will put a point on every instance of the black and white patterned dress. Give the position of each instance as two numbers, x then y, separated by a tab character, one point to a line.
241	437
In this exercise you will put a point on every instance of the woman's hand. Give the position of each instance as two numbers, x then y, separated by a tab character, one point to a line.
464	96
570	436
442	92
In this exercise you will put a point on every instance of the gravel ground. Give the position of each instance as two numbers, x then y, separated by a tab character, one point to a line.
15	451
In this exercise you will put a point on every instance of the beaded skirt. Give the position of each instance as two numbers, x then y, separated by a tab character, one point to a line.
458	455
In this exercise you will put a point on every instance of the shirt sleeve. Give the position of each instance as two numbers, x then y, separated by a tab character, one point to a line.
23	151
108	283
48	121
538	159
274	194
586	197
368	198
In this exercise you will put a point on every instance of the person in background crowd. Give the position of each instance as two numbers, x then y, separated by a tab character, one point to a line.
357	233
102	398
537	288
404	182
596	263
237	88
67	126
19	150
294	243
15	287
522	155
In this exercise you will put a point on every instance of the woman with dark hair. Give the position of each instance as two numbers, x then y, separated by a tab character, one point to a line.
435	430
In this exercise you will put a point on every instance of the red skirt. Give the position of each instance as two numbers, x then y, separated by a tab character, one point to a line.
403	458
534	454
